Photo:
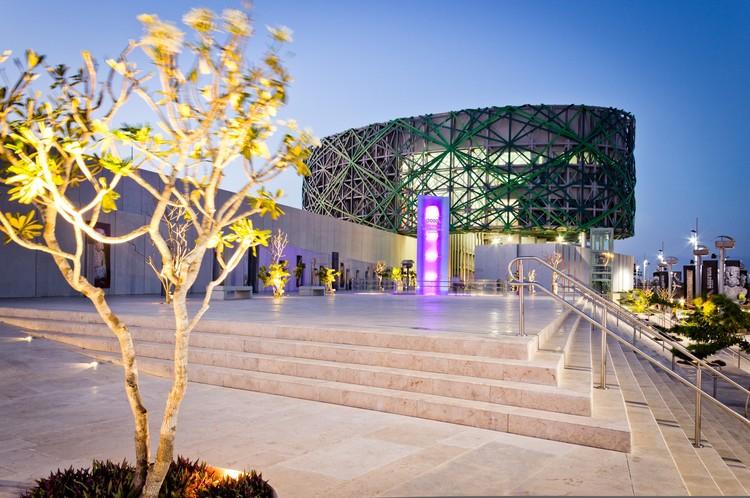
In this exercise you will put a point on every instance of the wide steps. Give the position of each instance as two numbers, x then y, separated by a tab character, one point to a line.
500	383
725	454
694	473
506	347
537	396
587	431
721	473
545	368
651	456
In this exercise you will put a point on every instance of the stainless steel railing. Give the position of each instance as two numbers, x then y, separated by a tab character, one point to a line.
737	354
608	307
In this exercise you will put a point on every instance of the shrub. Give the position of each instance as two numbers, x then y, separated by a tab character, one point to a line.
184	479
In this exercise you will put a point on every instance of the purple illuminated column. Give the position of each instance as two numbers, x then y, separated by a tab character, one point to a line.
433	225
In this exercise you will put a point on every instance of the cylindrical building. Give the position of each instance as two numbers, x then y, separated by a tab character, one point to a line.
542	171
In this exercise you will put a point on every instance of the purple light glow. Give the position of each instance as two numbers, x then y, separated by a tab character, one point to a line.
432	244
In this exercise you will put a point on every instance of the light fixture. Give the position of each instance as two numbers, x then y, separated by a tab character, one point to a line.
230	473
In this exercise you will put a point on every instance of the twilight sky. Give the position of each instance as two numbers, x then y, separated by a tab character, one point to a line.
681	67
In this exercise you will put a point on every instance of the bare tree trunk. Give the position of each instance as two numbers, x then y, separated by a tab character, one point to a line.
132	389
127	351
165	452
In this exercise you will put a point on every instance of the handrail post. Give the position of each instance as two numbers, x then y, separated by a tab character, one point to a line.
593	313
603	373
635	331
698	398
521	308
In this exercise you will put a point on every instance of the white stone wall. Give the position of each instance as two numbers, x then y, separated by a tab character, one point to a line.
33	274
492	263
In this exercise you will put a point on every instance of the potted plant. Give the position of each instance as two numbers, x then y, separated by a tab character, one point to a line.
327	276
299	273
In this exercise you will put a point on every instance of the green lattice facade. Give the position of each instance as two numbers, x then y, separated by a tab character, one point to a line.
533	170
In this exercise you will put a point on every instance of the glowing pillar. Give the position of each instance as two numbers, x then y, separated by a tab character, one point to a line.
433	225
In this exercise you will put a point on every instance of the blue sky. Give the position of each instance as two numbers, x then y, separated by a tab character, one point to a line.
680	67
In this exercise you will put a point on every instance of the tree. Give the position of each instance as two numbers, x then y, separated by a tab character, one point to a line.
214	112
177	230
327	276
380	271
555	261
277	274
715	324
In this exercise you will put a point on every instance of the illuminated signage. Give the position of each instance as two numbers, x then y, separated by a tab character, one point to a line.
433	222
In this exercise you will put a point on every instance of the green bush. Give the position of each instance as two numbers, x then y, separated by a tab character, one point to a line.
185	479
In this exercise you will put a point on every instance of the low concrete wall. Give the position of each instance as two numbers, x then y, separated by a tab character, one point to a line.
491	263
313	237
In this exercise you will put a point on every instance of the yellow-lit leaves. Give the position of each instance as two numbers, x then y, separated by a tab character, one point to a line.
33	59
116	165
281	34
244	233
109	199
23	225
184	110
29	181
266	204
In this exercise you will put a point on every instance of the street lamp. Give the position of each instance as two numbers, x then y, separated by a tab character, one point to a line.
699	252
723	242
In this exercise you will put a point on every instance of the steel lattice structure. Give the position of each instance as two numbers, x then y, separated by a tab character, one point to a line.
534	169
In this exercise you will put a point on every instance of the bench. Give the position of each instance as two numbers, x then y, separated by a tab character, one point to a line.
312	290
227	292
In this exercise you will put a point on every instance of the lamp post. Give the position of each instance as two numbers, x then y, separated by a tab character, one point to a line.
645	265
723	242
699	252
635	277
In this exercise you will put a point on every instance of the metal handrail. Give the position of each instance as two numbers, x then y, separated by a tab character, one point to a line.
697	387
626	316
738	354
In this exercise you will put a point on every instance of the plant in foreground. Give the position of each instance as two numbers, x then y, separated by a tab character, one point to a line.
184	479
64	154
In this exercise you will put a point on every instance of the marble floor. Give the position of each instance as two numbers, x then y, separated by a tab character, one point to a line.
57	411
475	314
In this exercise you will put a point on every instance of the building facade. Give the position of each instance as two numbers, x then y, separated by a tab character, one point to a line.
532	173
314	240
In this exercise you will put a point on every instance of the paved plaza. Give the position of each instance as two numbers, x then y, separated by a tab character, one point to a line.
473	314
57	412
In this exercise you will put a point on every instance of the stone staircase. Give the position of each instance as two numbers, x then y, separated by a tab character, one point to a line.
661	414
534	386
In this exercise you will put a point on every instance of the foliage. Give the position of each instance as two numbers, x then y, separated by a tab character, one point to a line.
637	300
641	300
381	270
396	274
105	479
246	485
299	270
25	226
65	155
276	276
714	324
277	273
327	276
185	478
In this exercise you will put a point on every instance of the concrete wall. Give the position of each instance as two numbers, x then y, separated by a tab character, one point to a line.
492	263
315	237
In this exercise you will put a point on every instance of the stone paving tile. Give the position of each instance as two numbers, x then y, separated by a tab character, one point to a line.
486	315
304	448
